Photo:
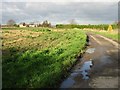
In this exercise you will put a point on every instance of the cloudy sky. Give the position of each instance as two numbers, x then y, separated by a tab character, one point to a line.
85	12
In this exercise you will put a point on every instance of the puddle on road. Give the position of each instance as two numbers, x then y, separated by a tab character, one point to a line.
85	69
90	50
74	74
67	83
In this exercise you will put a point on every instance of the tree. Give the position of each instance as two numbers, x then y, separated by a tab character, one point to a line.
46	24
24	24
11	22
39	25
73	21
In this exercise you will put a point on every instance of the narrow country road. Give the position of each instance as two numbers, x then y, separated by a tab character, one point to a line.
98	68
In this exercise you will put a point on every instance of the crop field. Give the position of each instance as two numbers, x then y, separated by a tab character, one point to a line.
39	57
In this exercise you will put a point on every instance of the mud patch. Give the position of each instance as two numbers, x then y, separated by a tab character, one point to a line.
104	82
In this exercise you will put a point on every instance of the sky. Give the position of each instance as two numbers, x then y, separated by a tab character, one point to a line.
60	11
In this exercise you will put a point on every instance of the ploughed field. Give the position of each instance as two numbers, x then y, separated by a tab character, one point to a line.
39	57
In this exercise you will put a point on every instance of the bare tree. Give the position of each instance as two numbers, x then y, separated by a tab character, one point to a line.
46	24
11	22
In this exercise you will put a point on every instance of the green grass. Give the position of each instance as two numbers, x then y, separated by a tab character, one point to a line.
43	63
112	35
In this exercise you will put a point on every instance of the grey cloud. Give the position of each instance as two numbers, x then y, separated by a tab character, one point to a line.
83	12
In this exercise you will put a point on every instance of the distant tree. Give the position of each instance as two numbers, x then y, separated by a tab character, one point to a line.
27	25
46	24
39	25
11	22
73	21
24	24
49	25
118	23
16	25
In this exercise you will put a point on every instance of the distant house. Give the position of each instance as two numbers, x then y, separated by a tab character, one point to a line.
32	25
27	25
22	25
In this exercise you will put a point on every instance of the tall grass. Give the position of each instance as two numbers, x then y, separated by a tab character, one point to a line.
112	35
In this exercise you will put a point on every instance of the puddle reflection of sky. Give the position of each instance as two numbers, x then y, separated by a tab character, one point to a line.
85	69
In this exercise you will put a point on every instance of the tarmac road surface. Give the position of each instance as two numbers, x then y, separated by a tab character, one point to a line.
98	68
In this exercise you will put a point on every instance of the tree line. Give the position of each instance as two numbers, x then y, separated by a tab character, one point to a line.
45	23
100	26
72	24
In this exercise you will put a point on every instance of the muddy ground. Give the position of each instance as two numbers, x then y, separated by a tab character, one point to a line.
98	68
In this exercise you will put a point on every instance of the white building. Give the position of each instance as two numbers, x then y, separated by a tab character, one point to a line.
22	25
32	25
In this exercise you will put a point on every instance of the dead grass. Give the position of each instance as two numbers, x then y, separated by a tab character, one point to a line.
18	37
21	33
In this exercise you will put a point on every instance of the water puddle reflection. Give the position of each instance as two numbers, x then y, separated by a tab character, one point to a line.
67	83
85	69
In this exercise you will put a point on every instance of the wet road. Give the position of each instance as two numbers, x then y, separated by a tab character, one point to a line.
98	68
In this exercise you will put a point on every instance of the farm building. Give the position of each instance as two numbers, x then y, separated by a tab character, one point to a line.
22	25
32	25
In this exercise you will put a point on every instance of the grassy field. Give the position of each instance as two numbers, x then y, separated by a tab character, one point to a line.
38	57
114	35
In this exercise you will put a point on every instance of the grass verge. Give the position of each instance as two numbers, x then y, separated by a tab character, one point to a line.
39	61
